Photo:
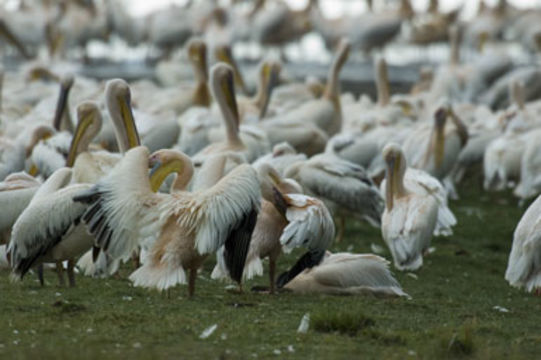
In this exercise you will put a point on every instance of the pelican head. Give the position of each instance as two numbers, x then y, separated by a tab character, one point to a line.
89	123
164	162
118	99
41	132
396	168
282	149
440	119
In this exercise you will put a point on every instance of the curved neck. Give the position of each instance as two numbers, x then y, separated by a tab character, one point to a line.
182	166
332	90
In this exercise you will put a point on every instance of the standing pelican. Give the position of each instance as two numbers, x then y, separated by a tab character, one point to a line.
181	228
409	218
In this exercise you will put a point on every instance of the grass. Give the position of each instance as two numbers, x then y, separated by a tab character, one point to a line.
451	314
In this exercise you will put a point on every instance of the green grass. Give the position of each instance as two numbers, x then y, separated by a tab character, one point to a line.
451	314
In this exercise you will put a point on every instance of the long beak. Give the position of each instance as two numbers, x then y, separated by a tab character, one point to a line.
271	75
439	145
389	185
12	39
228	89
160	170
61	106
132	135
225	56
80	131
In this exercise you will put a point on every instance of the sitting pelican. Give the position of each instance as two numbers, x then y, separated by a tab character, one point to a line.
524	266
280	158
49	229
343	274
421	183
181	228
409	219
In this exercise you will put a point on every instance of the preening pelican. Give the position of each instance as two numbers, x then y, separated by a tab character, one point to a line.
48	230
409	219
287	220
343	274
524	266
183	227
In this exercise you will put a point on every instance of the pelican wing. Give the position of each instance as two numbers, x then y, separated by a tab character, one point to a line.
218	212
310	223
43	224
344	183
118	208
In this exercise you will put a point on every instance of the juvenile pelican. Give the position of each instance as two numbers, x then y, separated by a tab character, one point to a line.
181	228
409	218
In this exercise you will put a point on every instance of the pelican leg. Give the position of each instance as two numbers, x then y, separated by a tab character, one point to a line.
340	228
191	282
272	273
135	259
537	292
71	273
40	274
60	272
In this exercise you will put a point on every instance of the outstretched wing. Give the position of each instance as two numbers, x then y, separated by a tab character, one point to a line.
118	205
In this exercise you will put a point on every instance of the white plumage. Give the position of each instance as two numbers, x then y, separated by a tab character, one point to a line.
524	266
409	218
348	274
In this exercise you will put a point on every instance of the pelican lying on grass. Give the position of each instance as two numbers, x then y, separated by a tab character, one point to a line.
179	229
409	218
343	274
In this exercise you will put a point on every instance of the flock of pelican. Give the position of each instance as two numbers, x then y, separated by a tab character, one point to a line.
98	173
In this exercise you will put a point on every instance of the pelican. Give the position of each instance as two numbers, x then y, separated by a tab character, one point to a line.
224	54
436	150
523	268
288	219
409	219
343	186
419	182
326	112
343	274
280	158
224	93
183	227
16	191
49	229
89	167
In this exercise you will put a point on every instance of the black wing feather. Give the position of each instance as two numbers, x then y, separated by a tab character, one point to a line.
237	245
308	260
